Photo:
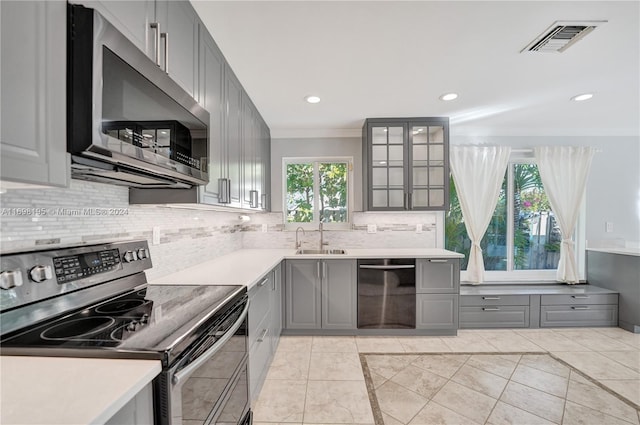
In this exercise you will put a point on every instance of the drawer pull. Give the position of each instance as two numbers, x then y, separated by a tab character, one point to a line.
490	308
438	261
264	334
490	298
580	307
263	281
580	297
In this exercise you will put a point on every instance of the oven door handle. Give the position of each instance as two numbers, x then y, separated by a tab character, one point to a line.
184	373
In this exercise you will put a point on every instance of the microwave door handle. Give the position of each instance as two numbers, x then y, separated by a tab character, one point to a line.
182	375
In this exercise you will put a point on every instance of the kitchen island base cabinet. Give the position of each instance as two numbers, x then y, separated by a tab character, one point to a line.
320	294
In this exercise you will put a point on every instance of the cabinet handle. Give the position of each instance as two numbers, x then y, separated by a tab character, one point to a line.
156	27
579	307
264	201
223	191
318	269
580	297
405	266
253	198
264	334
437	261
490	298
165	37
410	200
324	269
263	281
490	309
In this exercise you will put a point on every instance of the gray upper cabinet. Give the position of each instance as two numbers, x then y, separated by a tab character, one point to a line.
320	294
250	196
211	97
33	93
406	164
133	18
233	136
179	25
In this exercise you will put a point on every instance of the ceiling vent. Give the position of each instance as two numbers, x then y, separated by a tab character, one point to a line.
561	35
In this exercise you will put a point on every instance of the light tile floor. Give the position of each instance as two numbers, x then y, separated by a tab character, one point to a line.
320	380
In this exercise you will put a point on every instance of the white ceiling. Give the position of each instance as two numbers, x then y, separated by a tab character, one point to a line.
394	59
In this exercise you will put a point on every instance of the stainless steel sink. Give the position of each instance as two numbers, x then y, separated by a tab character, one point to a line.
321	251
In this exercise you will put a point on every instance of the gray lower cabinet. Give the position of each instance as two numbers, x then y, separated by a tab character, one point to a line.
494	311
265	325
536	306
579	310
320	294
437	289
437	311
33	141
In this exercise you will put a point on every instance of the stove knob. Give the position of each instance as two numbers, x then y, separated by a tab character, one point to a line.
10	278
129	256
133	326
40	273
143	253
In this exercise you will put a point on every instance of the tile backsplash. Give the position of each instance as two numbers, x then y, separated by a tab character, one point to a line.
88	213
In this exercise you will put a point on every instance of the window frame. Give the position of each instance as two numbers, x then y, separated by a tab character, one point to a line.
313	225
511	276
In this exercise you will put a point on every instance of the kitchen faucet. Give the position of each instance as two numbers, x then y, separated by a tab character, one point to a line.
322	242
299	244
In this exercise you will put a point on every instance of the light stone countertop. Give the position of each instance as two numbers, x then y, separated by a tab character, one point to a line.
523	289
247	266
65	390
621	251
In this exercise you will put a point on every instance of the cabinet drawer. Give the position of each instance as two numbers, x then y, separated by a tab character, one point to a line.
482	300
579	299
259	302
495	317
437	275
579	315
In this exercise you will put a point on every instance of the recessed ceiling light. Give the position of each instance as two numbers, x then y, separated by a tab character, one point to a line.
449	96
312	99
581	97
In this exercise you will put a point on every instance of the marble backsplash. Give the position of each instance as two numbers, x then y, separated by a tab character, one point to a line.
88	213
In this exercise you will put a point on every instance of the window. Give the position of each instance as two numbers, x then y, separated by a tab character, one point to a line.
522	240
316	190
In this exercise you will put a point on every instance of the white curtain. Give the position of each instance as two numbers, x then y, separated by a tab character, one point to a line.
478	172
563	171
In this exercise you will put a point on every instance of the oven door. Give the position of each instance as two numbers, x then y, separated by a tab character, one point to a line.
213	387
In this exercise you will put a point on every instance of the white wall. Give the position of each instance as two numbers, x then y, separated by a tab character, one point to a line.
613	187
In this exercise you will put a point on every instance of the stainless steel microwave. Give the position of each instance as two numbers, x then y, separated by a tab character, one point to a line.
128	123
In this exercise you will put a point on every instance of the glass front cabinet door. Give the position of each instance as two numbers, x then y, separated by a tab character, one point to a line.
406	164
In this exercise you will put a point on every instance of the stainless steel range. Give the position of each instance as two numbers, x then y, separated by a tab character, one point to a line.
94	301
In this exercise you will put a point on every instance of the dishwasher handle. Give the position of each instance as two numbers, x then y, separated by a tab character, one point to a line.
184	373
389	267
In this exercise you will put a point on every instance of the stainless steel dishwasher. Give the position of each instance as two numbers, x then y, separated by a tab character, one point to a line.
387	293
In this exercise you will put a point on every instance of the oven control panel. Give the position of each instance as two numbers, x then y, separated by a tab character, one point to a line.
74	267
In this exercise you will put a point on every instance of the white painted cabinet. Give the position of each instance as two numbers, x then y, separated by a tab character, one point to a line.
33	93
